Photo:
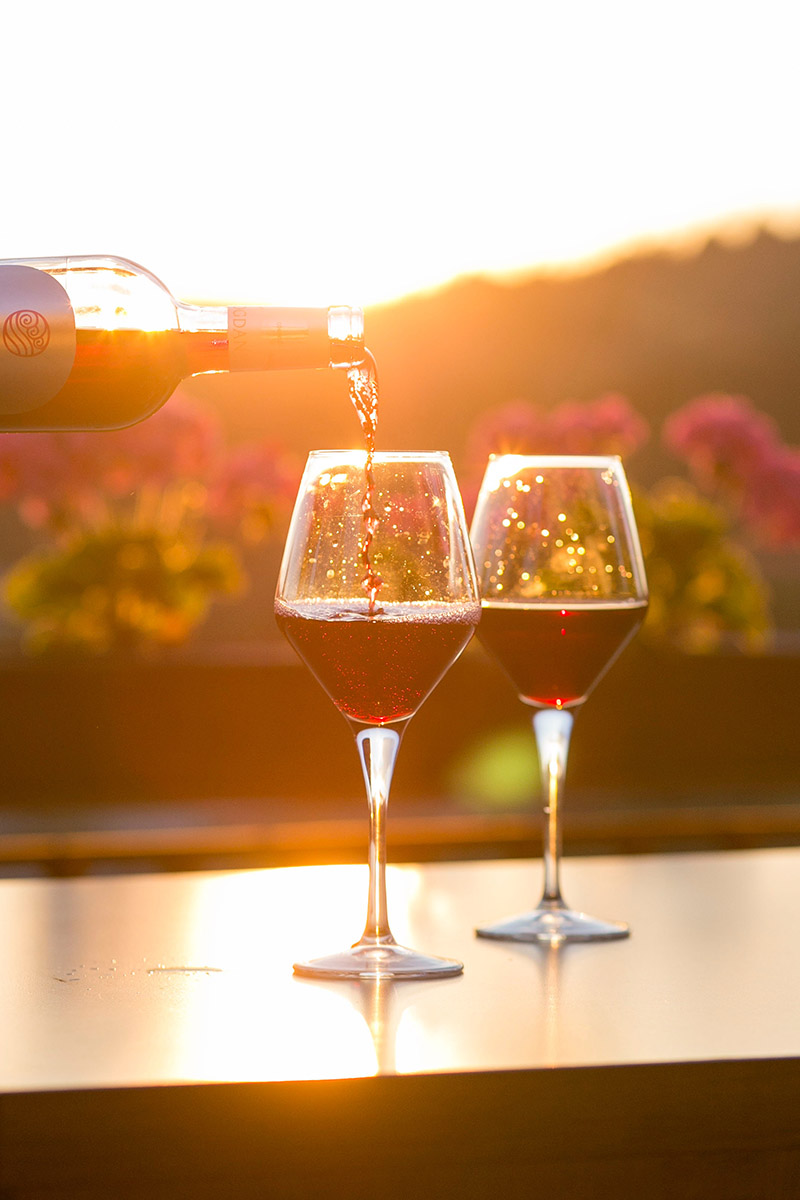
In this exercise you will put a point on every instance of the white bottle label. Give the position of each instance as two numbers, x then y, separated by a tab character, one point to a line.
37	338
265	339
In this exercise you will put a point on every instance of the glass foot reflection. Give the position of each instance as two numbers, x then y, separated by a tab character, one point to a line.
553	925
385	960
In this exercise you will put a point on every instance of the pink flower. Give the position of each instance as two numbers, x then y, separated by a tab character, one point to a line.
735	450
46	475
772	505
514	428
58	478
255	483
608	425
179	442
30	463
724	439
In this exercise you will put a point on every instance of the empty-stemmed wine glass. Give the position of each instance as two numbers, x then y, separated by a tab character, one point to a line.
563	591
377	594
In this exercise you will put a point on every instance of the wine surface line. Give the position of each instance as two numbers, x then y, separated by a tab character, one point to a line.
556	653
379	667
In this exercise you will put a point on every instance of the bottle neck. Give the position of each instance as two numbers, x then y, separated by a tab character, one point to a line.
263	339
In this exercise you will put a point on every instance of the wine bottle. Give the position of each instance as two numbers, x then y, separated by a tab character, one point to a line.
99	343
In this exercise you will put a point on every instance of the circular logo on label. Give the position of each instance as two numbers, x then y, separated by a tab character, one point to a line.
38	343
26	333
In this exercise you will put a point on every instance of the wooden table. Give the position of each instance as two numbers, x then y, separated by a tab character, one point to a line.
154	1041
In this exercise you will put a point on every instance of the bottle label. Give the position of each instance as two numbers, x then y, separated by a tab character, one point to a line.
270	339
37	338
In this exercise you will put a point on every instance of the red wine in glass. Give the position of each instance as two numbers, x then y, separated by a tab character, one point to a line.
378	651
563	592
554	655
377	669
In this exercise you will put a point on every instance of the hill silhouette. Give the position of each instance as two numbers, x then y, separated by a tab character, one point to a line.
659	328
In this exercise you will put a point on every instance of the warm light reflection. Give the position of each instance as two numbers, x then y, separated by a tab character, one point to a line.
254	1020
95	989
241	1030
573	138
112	298
249	1018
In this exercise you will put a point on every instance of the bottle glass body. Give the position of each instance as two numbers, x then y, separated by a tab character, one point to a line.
100	343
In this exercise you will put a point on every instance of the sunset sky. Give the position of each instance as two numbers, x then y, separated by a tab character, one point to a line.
348	153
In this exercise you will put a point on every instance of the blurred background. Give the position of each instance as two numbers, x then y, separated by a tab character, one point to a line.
572	229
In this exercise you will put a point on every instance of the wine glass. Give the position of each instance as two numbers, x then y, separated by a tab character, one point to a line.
378	596
563	592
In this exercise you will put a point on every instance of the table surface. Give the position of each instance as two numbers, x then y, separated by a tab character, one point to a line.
158	979
155	1042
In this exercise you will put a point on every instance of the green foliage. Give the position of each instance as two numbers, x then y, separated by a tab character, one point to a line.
135	532
118	589
704	586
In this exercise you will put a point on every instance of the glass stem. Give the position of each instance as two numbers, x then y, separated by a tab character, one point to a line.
552	728
378	750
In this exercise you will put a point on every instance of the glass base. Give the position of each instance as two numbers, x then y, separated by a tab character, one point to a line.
382	961
553	925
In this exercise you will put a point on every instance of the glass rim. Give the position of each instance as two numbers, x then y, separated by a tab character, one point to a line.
558	460
383	455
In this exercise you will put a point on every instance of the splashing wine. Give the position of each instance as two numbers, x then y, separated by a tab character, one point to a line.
363	381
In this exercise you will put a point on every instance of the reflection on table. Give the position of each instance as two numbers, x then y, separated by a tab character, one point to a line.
128	982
